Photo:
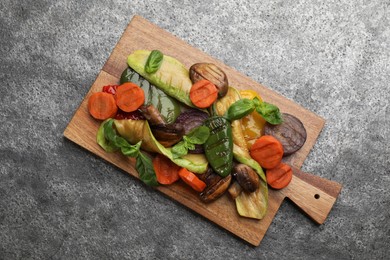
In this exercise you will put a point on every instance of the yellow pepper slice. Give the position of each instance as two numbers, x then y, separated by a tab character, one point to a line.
252	124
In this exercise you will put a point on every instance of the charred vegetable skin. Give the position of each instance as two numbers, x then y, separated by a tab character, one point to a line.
246	177
216	186
212	73
219	146
291	133
213	192
168	107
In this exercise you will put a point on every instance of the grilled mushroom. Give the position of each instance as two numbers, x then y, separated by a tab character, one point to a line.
246	177
212	73
217	189
235	189
152	114
167	135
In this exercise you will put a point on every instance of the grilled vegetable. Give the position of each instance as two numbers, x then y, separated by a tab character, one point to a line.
243	107
240	150
219	146
203	93
213	192
172	77
166	171
191	118
234	190
139	130
168	107
102	106
129	97
246	177
291	133
212	73
151	114
192	180
112	142
209	177
215	185
253	204
167	134
252	124
280	176
197	136
267	151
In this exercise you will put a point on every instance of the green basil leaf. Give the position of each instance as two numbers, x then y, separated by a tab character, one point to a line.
198	135
143	163
270	113
131	150
107	145
121	142
154	61
188	144
256	101
109	132
145	169
239	109
179	149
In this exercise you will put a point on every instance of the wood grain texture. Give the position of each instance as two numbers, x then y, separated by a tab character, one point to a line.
141	34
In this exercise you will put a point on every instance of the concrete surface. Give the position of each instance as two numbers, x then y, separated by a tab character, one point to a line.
58	201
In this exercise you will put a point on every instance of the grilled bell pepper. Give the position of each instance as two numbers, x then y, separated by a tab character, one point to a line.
219	146
252	124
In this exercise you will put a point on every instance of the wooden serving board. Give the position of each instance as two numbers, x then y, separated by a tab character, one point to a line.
314	195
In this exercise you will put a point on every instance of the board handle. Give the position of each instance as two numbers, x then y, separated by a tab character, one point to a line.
312	194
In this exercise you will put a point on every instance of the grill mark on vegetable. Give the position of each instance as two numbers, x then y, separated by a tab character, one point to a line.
218	143
216	75
291	133
292	141
218	147
217	127
264	146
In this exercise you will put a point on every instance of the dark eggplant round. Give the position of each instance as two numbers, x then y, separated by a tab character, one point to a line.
291	133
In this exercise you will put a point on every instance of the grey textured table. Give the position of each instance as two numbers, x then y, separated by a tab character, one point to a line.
58	201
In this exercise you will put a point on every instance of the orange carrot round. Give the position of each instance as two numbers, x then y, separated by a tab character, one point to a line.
280	176
129	97
166	171
267	151
203	93
102	106
191	179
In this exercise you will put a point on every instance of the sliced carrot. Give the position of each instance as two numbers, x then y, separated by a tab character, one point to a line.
191	179
280	176
166	171
267	151
203	93
102	105
129	97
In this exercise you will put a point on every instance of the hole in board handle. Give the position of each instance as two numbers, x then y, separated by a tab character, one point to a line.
317	196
